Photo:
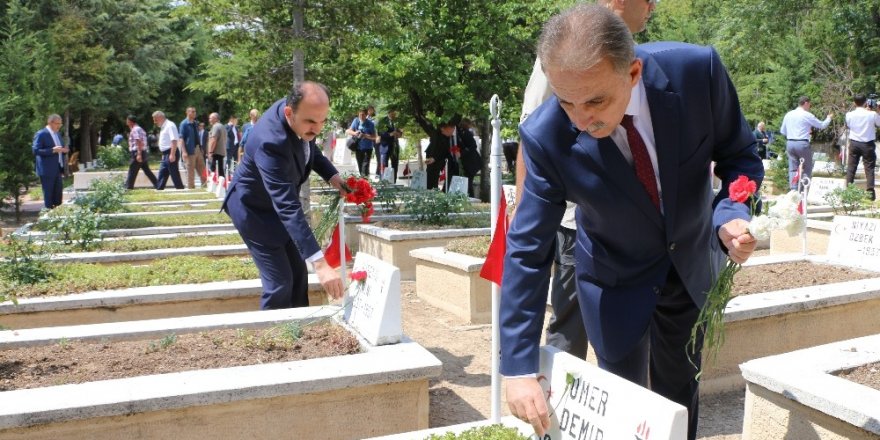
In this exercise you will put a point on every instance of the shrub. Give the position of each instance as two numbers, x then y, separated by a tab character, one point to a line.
435	207
107	196
110	156
846	200
778	174
74	225
24	263
492	432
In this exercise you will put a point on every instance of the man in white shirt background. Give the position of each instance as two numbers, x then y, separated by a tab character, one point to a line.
169	139
862	124
796	127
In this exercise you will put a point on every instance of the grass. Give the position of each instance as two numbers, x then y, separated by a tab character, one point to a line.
156	221
135	245
208	204
79	277
473	246
151	195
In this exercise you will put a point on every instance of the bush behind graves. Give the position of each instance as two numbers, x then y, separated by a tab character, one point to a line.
435	207
778	174
846	200
106	196
112	157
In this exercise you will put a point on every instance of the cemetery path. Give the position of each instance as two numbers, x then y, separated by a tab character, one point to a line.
462	392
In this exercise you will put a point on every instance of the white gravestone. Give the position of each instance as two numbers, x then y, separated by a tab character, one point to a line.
855	241
419	180
458	185
820	186
341	154
388	174
373	307
591	404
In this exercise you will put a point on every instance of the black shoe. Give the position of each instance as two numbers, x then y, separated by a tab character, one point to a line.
871	194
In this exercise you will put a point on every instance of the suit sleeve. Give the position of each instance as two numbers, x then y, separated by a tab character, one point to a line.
735	150
530	244
43	144
273	162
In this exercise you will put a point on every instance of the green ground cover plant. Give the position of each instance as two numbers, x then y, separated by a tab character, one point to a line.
24	263
73	225
473	246
112	157
208	204
847	200
134	245
153	221
492	432
105	196
80	277
151	195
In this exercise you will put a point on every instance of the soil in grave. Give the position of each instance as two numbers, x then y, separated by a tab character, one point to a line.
69	362
867	375
781	276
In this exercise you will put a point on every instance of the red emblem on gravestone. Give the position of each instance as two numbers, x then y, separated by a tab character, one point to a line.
643	431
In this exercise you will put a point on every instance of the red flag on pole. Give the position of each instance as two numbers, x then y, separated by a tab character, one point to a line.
494	265
331	254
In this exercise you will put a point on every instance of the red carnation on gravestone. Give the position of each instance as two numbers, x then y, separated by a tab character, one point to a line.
742	189
359	276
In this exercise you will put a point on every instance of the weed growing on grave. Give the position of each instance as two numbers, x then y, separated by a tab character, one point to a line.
473	246
106	197
64	343
24	263
161	344
846	200
281	336
435	207
492	432
73	225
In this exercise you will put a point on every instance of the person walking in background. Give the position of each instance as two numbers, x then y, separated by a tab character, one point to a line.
263	199
137	148
469	160
438	156
363	129
390	137
377	145
246	129
50	155
763	138
796	127
862	124
192	157
233	139
169	145
217	145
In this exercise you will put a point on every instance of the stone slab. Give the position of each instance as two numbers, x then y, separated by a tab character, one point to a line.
152	254
822	186
802	377
372	306
440	255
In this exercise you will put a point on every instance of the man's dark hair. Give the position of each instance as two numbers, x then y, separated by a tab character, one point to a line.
132	118
446	124
803	100
362	110
860	99
297	93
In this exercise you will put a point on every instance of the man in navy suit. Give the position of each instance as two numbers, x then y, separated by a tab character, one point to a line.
628	137
51	156
263	199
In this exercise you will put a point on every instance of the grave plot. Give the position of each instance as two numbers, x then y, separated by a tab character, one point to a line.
151	195
451	281
588	403
310	398
798	315
807	394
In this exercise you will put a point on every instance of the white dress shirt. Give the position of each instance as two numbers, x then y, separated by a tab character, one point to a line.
862	124
796	124
641	113
58	143
167	134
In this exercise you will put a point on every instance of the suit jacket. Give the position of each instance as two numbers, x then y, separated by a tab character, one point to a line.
263	199
203	139
47	164
625	247
471	161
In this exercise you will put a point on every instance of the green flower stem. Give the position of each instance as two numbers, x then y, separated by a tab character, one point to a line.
710	322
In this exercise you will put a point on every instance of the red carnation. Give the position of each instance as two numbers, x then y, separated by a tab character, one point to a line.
742	189
367	211
359	276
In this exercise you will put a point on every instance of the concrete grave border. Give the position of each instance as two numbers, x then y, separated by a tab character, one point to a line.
451	281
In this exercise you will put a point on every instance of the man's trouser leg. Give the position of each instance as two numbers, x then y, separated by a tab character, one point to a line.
174	171
190	170
565	330
133	168
283	273
797	150
164	171
200	166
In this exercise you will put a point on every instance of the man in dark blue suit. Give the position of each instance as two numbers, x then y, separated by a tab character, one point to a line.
263	199
628	137
50	158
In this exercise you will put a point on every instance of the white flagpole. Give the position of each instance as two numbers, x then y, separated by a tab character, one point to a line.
495	175
804	189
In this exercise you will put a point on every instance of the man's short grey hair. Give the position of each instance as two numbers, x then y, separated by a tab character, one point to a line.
159	113
215	115
52	118
581	37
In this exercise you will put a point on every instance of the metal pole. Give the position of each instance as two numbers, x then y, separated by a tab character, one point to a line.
804	189
495	175
342	259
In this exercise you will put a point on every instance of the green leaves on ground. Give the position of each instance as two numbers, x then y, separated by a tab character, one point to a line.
151	195
24	263
847	200
81	277
492	432
473	246
208	204
106	196
73	225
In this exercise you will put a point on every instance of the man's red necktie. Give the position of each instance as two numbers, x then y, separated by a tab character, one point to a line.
641	160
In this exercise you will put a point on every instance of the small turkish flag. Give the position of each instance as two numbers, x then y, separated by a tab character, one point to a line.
493	268
332	252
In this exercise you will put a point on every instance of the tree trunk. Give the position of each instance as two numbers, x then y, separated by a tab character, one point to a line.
299	75
86	152
485	128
